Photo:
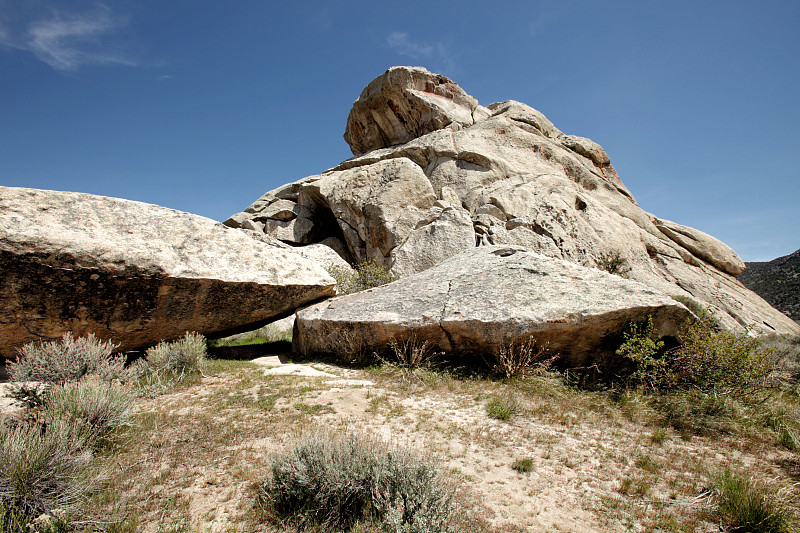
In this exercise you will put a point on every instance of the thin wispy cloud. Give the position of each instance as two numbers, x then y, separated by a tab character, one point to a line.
67	40
436	53
400	43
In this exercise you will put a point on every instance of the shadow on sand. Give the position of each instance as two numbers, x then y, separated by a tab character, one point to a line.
251	351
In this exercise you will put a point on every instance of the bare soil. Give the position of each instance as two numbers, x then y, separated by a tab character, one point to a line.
194	457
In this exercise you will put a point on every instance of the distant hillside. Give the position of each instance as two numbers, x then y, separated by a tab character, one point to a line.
777	281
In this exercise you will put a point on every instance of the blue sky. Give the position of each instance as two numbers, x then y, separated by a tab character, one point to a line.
203	106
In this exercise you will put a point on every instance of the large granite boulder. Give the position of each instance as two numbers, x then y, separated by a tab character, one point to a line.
136	273
485	298
404	103
519	180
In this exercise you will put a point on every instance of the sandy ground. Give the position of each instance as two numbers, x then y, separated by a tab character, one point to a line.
591	468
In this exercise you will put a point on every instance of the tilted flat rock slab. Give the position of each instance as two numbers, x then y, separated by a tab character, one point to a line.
136	273
485	298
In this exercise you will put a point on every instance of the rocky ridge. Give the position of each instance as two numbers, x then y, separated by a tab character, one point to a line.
435	174
777	281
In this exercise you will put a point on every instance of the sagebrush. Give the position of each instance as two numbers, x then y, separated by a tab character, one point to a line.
69	359
185	355
334	482
92	404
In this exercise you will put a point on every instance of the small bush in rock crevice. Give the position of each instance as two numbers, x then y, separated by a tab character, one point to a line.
336	482
614	263
362	276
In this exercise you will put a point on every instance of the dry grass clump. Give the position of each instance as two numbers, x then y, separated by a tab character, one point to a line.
168	363
502	407
412	352
521	358
41	471
342	482
749	506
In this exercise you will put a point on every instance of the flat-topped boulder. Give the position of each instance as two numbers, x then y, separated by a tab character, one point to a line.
485	298
136	273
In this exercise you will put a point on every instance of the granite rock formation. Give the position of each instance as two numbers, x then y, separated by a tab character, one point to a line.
438	174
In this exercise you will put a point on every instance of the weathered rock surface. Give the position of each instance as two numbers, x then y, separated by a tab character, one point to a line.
483	299
405	103
519	179
136	273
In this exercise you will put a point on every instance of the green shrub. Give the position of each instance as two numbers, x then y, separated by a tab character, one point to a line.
614	263
652	369
362	276
334	482
184	356
708	361
721	362
97	406
502	407
41	471
69	360
749	507
523	465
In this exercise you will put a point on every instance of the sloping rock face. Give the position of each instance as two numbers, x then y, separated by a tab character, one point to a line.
136	273
406	201
483	299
